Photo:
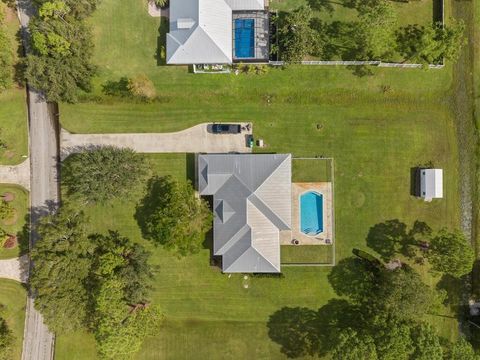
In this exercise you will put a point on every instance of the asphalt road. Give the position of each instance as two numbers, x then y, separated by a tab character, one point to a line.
38	341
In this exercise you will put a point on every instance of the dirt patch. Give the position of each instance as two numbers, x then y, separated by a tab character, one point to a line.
10	15
11	242
8	197
12	220
9	154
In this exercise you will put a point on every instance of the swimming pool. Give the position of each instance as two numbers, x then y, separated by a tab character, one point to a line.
244	38
311	213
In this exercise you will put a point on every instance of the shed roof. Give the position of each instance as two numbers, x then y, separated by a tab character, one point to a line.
252	204
431	183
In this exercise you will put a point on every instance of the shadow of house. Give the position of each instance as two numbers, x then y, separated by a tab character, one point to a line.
161	52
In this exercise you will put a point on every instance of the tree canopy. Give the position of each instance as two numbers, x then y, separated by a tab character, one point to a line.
354	346
462	350
6	338
172	216
60	61
119	331
99	283
104	173
375	30
297	38
62	258
403	293
79	9
430	44
451	253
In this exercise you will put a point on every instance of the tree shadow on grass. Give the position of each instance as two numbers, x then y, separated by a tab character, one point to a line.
386	238
353	277
301	331
156	190
392	237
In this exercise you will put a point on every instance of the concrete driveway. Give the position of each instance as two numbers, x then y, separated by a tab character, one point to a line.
16	174
197	139
15	269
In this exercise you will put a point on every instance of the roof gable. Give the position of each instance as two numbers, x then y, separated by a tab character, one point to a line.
258	194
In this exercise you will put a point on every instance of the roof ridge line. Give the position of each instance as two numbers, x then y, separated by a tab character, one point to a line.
208	35
259	253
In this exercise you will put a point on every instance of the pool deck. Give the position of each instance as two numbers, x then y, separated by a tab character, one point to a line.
261	34
324	188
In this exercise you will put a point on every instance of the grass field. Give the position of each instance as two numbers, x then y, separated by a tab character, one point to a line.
13	111
13	297
377	128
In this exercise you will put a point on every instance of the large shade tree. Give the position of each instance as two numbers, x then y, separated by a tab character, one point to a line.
432	43
451	253
59	63
104	173
62	259
172	216
354	346
403	293
296	36
6	338
375	31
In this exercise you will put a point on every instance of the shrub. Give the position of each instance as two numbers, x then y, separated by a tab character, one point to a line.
142	87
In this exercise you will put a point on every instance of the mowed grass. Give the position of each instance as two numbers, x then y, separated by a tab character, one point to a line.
15	225
375	127
13	298
373	160
13	110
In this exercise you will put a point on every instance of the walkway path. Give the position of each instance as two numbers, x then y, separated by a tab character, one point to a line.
15	269
38	341
197	139
16	174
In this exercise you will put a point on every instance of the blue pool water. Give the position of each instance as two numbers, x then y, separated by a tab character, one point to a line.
311	213
244	38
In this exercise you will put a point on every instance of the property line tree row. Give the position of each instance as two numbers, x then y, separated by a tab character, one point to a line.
374	35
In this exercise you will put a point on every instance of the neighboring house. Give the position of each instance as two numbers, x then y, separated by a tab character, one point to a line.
252	207
431	184
218	31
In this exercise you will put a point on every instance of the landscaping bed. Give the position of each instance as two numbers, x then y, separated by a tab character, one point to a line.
16	225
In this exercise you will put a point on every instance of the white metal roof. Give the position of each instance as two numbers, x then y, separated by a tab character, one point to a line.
431	183
201	30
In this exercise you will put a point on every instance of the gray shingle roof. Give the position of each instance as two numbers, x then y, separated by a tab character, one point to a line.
252	204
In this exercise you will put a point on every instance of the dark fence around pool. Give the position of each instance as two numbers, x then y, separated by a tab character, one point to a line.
306	170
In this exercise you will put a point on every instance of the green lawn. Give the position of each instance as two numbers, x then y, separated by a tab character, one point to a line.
13	112
16	225
13	297
412	12
375	127
314	254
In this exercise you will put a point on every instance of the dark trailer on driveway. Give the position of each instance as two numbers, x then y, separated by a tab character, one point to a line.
226	129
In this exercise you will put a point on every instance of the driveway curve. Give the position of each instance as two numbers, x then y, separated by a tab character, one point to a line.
15	269
197	139
16	174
